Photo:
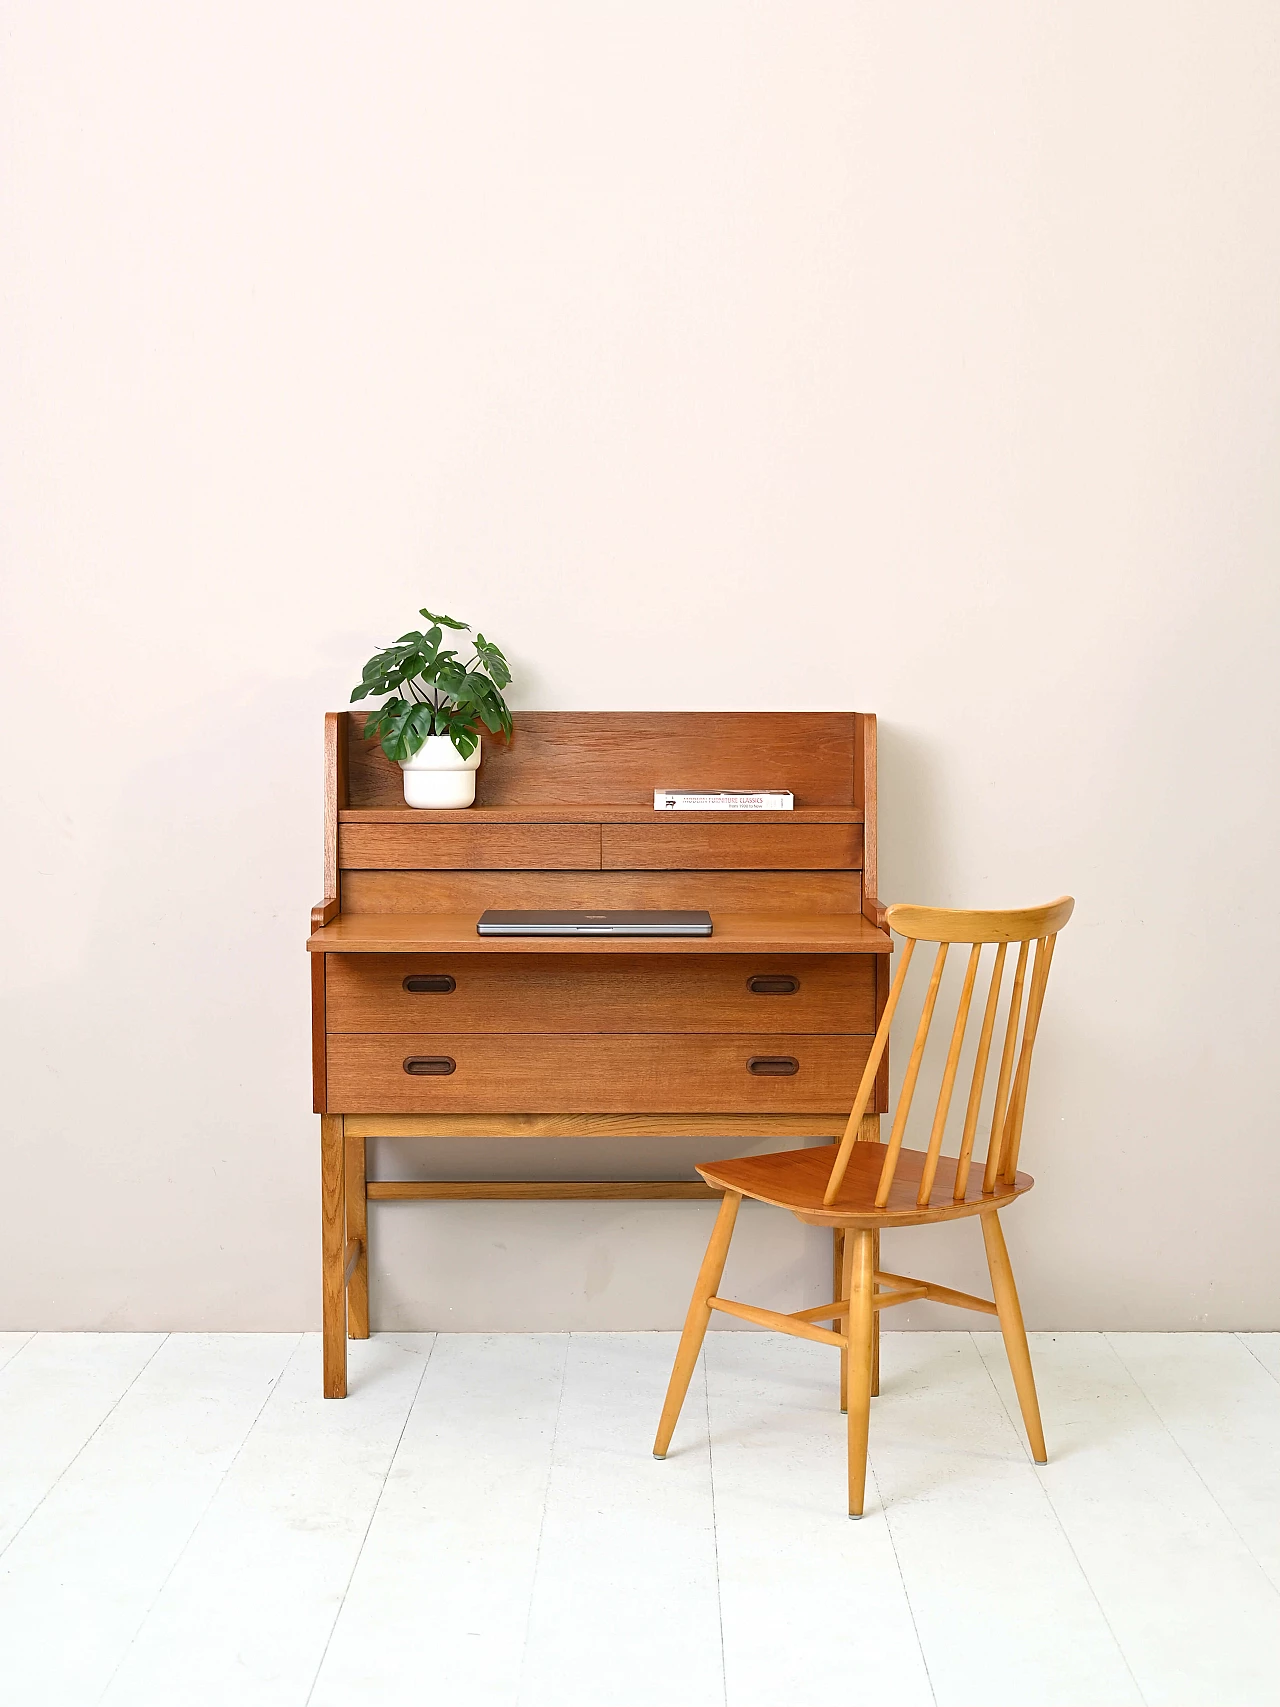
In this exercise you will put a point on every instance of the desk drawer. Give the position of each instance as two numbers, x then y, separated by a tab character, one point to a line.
453	1072
627	993
469	847
666	846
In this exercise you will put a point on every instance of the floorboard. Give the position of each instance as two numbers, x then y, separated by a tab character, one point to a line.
1193	1611
56	1391
247	1612
183	1519
803	1588
626	1577
93	1558
439	1602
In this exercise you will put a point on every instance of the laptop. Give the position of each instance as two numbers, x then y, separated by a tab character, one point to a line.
648	923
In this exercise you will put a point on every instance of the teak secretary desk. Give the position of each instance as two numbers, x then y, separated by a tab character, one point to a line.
421	1028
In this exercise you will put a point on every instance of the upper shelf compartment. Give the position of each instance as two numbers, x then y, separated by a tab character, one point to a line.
618	758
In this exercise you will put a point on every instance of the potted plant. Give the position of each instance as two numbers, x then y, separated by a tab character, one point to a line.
430	725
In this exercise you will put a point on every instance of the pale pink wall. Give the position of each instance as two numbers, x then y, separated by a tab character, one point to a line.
919	358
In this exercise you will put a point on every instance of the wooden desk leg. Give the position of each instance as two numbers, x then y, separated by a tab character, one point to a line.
357	1228
333	1233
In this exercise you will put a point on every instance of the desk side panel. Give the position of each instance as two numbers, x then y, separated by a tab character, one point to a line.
319	1030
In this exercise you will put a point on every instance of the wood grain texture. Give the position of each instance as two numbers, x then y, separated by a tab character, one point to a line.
615	993
939	1294
950	924
620	757
425	846
865	794
540	1191
335	794
333	1240
593	1074
797	1179
733	933
718	891
861	1324
884	981
357	1228
736	1127
318	1026
1015	1334
695	1323
777	1321
571	813
671	846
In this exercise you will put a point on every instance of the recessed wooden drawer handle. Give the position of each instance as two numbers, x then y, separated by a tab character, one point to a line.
773	984
778	1066
427	1065
432	984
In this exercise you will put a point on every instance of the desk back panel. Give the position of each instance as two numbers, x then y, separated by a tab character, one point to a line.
620	757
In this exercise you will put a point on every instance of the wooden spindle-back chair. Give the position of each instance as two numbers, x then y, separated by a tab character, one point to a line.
870	1186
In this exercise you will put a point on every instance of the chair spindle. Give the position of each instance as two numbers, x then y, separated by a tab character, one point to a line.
979	1074
909	1081
1012	1141
943	1108
991	1173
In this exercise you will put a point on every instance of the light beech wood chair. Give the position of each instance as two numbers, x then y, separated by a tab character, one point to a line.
871	1186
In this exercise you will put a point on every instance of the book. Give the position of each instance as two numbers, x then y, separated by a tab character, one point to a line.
724	800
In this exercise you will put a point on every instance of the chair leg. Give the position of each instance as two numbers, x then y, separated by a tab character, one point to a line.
1015	1335
840	1289
695	1325
860	1243
357	1228
875	1324
333	1234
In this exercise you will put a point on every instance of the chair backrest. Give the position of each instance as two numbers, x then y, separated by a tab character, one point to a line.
1023	925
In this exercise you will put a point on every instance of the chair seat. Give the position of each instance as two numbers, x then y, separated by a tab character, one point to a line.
797	1179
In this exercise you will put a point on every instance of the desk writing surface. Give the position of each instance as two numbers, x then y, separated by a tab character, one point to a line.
732	933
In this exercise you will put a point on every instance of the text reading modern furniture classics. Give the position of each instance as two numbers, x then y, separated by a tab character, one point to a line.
871	1186
421	1028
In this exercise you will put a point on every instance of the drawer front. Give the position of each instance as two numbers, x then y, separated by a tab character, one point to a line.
666	846
719	891
460	1073
627	993
469	847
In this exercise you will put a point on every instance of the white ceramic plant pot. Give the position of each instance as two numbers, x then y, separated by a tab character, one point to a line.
438	775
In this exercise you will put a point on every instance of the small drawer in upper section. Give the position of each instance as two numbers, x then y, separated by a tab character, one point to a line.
427	846
671	846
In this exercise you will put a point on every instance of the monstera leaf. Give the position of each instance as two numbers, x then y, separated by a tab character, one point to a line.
445	695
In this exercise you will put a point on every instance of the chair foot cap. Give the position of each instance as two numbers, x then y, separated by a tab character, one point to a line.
855	1517
1040	1461
660	1456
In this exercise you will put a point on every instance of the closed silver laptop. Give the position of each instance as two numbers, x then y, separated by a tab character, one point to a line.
567	923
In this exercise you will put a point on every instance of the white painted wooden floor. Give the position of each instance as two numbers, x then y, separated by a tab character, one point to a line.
183	1520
